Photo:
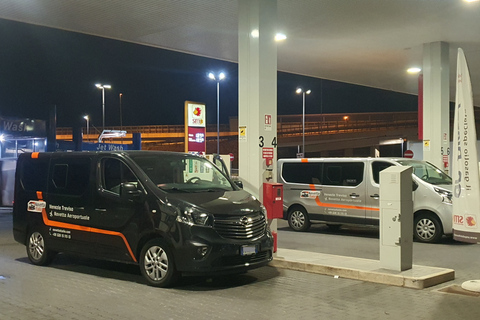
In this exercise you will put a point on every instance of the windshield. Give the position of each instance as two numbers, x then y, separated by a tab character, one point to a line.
180	173
427	172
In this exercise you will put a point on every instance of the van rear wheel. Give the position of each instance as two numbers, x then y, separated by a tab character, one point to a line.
298	219
427	228
157	265
37	251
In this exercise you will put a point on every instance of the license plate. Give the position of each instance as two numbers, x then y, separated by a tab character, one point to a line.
248	250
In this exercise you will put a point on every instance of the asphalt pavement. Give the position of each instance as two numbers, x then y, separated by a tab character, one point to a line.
80	288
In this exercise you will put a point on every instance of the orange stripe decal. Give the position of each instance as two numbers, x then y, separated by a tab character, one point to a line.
40	195
58	224
304	160
35	155
339	206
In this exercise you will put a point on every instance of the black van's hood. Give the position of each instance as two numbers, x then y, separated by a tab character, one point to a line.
218	202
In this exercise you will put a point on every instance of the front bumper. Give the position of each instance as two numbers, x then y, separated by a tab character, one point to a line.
203	251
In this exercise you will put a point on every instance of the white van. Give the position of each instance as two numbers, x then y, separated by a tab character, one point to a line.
340	191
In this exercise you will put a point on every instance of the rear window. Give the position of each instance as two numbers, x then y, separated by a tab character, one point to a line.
70	176
302	172
34	174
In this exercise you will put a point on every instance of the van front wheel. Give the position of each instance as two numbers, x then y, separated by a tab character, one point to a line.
427	228
37	250
156	264
298	219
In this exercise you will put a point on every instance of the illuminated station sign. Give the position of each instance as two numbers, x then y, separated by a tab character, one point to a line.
195	127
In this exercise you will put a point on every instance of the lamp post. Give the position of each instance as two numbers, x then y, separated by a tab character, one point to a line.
120	96
218	78
103	87
86	117
298	91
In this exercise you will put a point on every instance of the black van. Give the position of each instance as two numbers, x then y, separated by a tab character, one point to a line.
170	213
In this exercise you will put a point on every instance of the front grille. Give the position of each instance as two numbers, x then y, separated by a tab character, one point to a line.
250	226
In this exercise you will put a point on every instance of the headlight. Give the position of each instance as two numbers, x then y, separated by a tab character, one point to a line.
445	194
194	216
264	210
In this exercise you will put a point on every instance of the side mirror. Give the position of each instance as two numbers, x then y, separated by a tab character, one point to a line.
238	183
130	191
414	186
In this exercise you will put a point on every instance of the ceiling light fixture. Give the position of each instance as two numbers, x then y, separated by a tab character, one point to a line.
413	70
280	37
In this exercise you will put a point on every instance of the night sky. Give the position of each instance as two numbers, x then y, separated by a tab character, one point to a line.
41	67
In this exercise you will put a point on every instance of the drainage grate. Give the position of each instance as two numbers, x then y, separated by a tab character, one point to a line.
459	290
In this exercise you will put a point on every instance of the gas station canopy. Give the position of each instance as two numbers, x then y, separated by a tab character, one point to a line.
368	42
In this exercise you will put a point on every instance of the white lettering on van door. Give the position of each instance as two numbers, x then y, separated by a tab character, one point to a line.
337	211
57	211
60	233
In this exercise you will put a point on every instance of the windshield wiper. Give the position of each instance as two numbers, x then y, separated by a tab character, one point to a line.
209	190
174	189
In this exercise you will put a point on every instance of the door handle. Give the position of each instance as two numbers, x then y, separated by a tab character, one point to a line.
375	196
354	195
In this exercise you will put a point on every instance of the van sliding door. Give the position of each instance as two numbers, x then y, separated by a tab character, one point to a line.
344	191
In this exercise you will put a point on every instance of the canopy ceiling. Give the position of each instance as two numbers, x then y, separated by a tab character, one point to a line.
367	42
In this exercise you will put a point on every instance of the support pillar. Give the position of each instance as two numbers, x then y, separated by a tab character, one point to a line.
436	100
257	115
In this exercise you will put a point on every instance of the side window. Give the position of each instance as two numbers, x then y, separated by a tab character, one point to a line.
34	174
343	173
115	172
70	176
59	178
378	166
302	172
332	174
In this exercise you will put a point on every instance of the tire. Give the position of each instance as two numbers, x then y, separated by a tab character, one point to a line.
427	228
157	265
298	219
37	250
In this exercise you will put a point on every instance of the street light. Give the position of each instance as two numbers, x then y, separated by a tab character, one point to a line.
86	117
103	87
298	91
120	96
220	77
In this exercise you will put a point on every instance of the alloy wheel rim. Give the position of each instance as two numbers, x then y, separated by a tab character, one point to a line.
36	246
156	263
425	229
298	219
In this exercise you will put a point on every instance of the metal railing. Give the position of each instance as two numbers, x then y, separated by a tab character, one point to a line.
287	126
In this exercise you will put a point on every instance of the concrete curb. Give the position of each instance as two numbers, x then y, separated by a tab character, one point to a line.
419	277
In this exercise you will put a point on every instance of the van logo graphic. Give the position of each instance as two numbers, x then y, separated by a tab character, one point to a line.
309	194
471	222
36	206
244	220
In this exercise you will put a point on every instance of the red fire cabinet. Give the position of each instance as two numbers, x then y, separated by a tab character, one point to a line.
273	200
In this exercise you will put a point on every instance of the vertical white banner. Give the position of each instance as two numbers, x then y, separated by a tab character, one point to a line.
466	193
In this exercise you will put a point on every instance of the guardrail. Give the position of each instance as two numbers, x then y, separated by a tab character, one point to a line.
289	125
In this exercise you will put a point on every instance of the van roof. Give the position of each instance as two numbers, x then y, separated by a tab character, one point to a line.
344	158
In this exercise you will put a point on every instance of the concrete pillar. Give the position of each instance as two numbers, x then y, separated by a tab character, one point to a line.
257	116
436	99
257	86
